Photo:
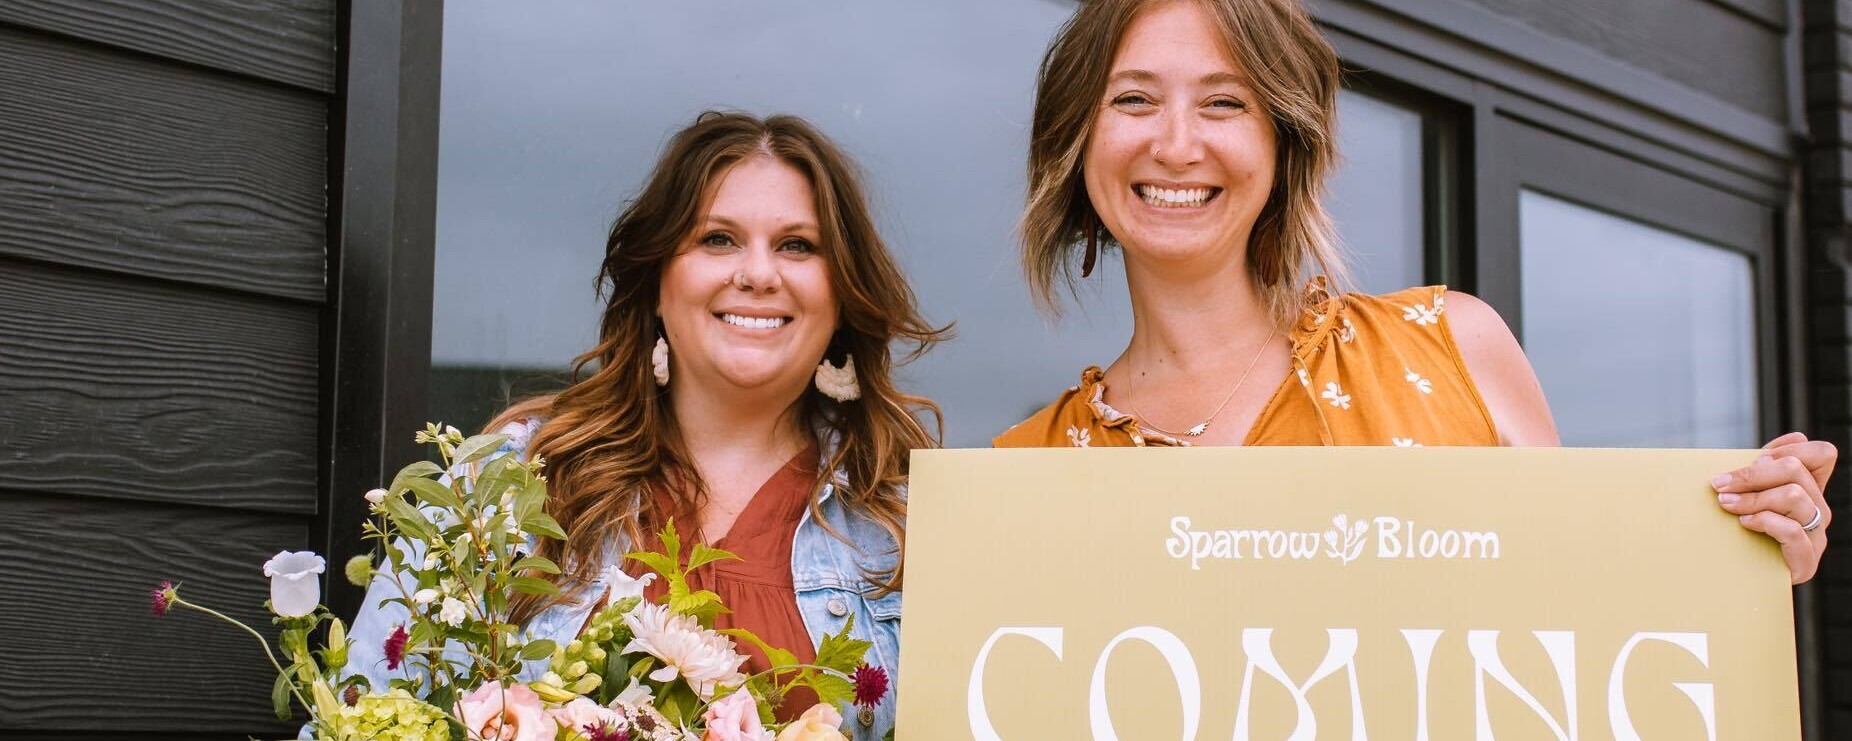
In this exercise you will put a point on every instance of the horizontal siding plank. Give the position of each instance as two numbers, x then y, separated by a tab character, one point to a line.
288	41
128	389
1709	48
77	580
113	162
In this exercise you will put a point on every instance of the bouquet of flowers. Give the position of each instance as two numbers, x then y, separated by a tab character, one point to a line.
460	546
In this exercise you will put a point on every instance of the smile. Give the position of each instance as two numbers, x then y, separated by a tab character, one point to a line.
755	322
1176	197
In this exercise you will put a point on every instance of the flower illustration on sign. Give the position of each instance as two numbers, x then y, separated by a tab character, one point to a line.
1342	529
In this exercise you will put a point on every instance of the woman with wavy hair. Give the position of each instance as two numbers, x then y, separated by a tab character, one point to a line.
741	387
1195	136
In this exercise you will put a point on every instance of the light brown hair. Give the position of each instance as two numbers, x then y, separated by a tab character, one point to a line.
1294	74
610	439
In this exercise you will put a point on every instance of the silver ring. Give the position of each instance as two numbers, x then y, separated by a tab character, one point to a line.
1814	524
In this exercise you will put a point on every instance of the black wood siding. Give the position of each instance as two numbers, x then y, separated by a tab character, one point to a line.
1827	55
164	171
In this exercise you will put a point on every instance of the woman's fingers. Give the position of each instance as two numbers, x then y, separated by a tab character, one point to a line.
1788	500
1818	456
1797	549
1781	484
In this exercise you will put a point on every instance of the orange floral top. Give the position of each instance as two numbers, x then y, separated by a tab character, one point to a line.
1367	370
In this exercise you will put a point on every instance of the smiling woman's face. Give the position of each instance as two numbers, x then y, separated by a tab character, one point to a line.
746	302
1181	158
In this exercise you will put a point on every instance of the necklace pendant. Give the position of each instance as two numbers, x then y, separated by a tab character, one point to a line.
1198	430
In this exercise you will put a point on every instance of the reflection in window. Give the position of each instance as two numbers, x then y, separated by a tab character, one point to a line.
1641	337
1375	196
553	113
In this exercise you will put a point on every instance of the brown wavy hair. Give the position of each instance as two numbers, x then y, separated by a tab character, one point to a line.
610	438
1294	74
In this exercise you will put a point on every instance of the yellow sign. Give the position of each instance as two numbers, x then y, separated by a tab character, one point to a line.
1294	594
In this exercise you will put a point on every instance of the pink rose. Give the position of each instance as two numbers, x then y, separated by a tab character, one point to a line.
582	712
734	718
819	723
497	713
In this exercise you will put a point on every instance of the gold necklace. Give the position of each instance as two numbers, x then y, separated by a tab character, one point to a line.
1203	426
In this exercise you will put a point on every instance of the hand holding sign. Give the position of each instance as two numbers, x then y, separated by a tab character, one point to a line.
1782	495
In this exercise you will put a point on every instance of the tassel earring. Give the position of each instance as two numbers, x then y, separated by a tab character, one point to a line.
659	361
838	383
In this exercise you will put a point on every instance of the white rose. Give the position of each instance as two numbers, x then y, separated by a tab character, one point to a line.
425	596
376	496
453	612
295	588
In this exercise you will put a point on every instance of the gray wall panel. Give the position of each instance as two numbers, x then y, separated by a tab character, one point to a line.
1702	44
88	655
112	162
281	40
124	389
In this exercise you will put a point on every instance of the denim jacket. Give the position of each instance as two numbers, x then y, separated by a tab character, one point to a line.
826	572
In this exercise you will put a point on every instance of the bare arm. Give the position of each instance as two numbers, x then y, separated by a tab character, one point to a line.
1501	372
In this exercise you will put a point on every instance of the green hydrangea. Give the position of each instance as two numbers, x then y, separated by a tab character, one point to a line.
394	716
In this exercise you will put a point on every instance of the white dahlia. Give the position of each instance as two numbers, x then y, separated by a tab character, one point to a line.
702	657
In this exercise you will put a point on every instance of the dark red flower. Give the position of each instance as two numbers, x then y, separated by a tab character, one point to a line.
163	598
395	647
870	685
604	732
352	695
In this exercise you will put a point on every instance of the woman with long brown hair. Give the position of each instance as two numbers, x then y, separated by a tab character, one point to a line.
1195	136
741	387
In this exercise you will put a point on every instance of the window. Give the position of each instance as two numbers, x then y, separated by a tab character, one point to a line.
1641	337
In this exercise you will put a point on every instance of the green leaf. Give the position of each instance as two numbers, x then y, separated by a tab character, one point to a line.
532	499
419	469
541	564
671	543
687	603
476	448
831	689
409	520
655	561
279	696
643	667
616	679
677	702
433	493
542	524
840	652
532	585
703	555
779	657
536	650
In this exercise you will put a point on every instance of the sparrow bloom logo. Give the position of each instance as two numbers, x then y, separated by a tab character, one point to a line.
1346	540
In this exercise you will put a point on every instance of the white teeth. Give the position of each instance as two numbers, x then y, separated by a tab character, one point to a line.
753	322
1184	197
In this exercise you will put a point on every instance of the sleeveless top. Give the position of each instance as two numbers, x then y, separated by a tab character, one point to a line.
1367	370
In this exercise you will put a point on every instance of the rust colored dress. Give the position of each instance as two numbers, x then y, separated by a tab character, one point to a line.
757	588
1367	370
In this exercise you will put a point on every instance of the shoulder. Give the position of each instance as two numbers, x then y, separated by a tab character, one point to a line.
520	434
1501	371
1047	428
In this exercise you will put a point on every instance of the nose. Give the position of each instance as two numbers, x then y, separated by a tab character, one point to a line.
758	271
1179	144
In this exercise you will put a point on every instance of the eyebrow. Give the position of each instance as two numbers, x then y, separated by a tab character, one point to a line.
795	226
1147	76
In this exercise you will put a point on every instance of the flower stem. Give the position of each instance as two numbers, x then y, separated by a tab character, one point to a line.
260	641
